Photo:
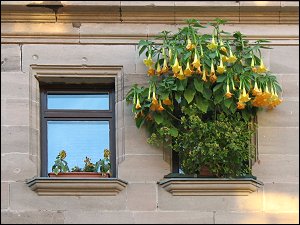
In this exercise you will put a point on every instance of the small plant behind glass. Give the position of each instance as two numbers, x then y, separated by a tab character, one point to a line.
102	165
105	163
60	164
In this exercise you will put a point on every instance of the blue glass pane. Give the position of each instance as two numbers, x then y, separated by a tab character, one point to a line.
77	101
79	139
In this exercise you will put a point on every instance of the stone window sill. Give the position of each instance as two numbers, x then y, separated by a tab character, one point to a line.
49	186
210	186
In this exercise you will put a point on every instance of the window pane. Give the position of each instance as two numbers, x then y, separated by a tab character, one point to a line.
78	101
79	139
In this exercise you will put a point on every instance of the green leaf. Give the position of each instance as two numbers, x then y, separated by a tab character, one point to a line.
139	121
142	49
173	132
221	79
228	102
217	87
158	118
189	95
198	85
202	104
218	99
207	93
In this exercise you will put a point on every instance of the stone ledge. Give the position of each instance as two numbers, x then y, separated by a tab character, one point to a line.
47	186
210	186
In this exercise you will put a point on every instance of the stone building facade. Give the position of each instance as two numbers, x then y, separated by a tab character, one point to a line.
71	40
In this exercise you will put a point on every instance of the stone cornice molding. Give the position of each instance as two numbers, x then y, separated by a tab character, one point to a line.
167	12
76	186
210	186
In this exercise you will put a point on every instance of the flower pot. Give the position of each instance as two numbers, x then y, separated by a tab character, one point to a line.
204	172
79	174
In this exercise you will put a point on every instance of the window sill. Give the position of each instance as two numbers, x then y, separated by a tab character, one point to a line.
210	186
49	186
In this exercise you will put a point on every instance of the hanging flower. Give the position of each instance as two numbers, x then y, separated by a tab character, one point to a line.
199	71
261	68
232	58
148	62
196	63
256	90
188	72
138	105
224	58
253	65
181	76
189	45
228	93
158	69
213	45
160	107
151	71
241	105
221	69
176	67
213	78
223	48
244	97
165	68
167	101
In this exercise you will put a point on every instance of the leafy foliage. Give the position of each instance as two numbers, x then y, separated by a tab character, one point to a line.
217	74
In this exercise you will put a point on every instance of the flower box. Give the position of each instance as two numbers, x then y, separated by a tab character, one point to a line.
80	174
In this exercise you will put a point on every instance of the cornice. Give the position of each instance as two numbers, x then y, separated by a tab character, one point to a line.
168	12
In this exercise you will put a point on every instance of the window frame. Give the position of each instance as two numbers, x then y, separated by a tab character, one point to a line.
77	115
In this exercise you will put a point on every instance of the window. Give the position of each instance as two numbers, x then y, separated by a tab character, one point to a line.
78	119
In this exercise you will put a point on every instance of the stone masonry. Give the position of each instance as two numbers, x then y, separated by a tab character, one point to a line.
106	33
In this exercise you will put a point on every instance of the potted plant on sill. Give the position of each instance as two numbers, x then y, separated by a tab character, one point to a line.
203	95
60	167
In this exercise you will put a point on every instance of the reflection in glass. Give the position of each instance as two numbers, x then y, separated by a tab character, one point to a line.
79	101
79	139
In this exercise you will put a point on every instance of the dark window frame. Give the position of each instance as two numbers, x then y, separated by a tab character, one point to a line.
78	115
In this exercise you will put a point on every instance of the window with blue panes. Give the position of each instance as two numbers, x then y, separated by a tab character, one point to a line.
79	120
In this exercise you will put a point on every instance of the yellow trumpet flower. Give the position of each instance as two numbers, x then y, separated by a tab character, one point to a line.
199	71
244	97
223	48
204	75
256	90
213	45
181	76
138	105
151	71
188	72
261	68
160	107
158	69
224	58
228	93
148	62
167	101
241	105
189	45
221	69
232	58
176	67
165	68
196	63
213	76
